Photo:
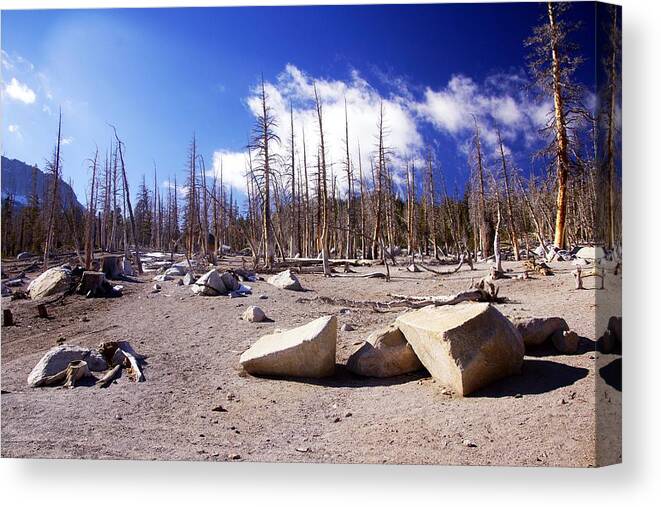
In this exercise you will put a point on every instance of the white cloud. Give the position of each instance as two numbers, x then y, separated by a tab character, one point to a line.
67	140
500	103
20	92
234	165
363	103
13	128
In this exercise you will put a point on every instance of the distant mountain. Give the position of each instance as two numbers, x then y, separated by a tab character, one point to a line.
17	181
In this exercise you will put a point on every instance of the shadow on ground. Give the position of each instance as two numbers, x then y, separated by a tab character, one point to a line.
546	349
344	378
537	377
612	374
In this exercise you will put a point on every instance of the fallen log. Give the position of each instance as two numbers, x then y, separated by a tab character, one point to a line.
71	375
480	293
108	378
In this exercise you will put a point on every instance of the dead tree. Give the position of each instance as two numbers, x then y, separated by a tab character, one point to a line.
91	212
263	135
54	167
324	188
553	61
127	197
508	199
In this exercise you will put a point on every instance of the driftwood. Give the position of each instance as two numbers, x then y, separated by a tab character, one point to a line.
108	378
463	259
596	271
484	292
71	375
374	274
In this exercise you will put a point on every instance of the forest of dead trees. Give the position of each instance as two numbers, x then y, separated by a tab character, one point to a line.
297	204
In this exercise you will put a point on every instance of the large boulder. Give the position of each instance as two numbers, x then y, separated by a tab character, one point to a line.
464	347
58	358
385	353
50	282
305	351
210	284
537	330
286	280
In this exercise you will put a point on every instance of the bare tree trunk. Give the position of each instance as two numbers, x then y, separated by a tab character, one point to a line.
55	171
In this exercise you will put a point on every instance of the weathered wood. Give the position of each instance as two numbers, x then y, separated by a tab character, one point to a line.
108	378
7	317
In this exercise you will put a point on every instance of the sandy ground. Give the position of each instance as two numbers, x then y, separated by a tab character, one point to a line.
544	417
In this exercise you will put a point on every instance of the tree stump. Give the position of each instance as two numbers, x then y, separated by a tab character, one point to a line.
112	266
76	371
42	312
93	283
7	317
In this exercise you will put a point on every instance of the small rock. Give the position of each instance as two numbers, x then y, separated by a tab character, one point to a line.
234	456
469	443
180	281
518	395
254	314
348	414
336	420
303	449
219	408
263	296
347	327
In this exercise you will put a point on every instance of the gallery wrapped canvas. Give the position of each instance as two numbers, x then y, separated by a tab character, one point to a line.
327	234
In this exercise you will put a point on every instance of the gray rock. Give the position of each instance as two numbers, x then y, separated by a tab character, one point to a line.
23	255
385	353
176	270
465	347
189	278
58	358
162	278
305	351
254	314
347	327
565	342
210	284
51	281
537	330
230	282
286	280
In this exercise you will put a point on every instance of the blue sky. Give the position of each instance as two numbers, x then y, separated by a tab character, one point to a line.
161	74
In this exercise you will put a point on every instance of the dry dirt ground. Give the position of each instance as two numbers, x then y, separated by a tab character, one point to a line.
544	417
